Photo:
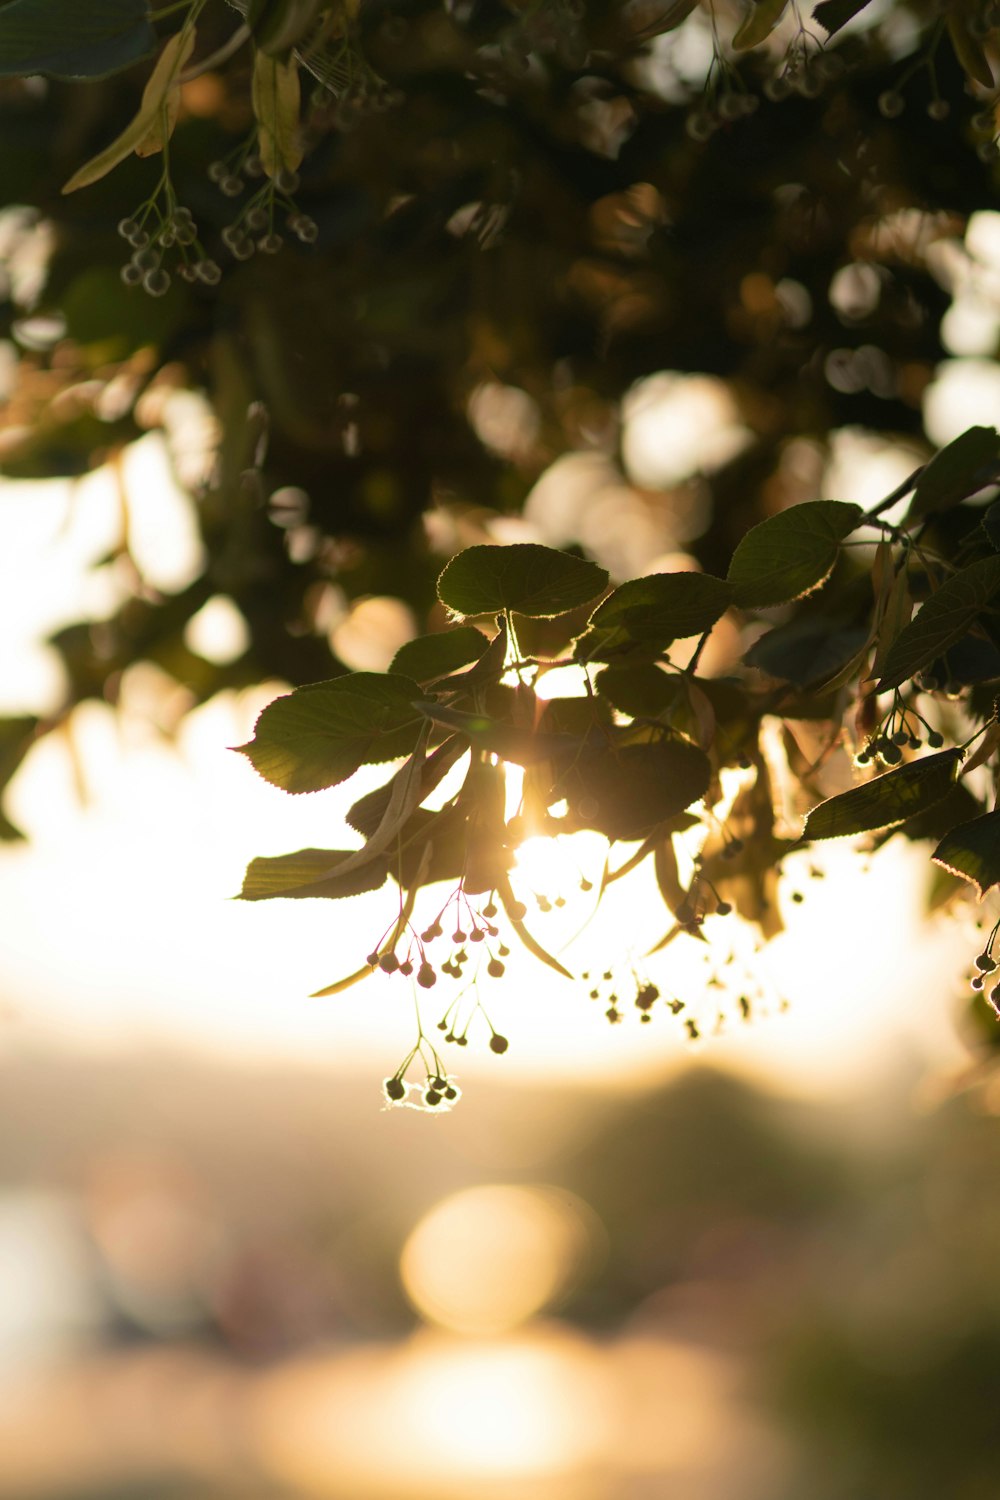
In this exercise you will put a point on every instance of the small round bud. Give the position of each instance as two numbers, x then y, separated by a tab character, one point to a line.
127	228
372	959
257	218
242	250
985	963
432	1097
938	109
406	967
138	239
209	272
156	282
987	151
131	274
270	244
426	977
450	1092
977	982
891	104
217	171
286	181
723	909
394	1089
388	963
490	910
495	968
498	1043
253	166
901	737
517	911
503	950
231	187
476	935
185	232
890	753
935	740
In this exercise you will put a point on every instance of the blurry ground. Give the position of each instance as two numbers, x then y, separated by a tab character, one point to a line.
700	1291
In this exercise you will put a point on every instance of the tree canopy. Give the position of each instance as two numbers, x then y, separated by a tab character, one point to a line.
531	338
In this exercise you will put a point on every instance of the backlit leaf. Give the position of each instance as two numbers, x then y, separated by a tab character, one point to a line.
790	554
757	26
625	791
321	734
73	38
833	14
664	607
533	580
368	812
887	800
310	872
972	851
275	93
942	620
959	470
429	657
155	102
968	47
807	652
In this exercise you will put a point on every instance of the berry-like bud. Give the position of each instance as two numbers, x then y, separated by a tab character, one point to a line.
985	963
891	104
127	228
286	181
498	1043
939	109
394	1088
231	187
495	968
156	282
426	977
723	909
388	963
270	244
935	740
209	272
130	274
431	1097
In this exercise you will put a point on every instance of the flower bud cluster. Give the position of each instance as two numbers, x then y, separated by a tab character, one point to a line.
254	228
159	233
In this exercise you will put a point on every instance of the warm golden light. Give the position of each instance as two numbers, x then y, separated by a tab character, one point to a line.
529	1415
488	1258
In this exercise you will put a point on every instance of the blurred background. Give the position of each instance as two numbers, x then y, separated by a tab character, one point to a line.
750	1256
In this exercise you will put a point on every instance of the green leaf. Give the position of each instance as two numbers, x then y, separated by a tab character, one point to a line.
662	608
625	791
757	26
942	620
311	872
429	657
156	102
886	801
534	581
368	812
790	554
959	470
833	14
807	652
73	38
276	95
525	747
322	733
972	851
643	691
